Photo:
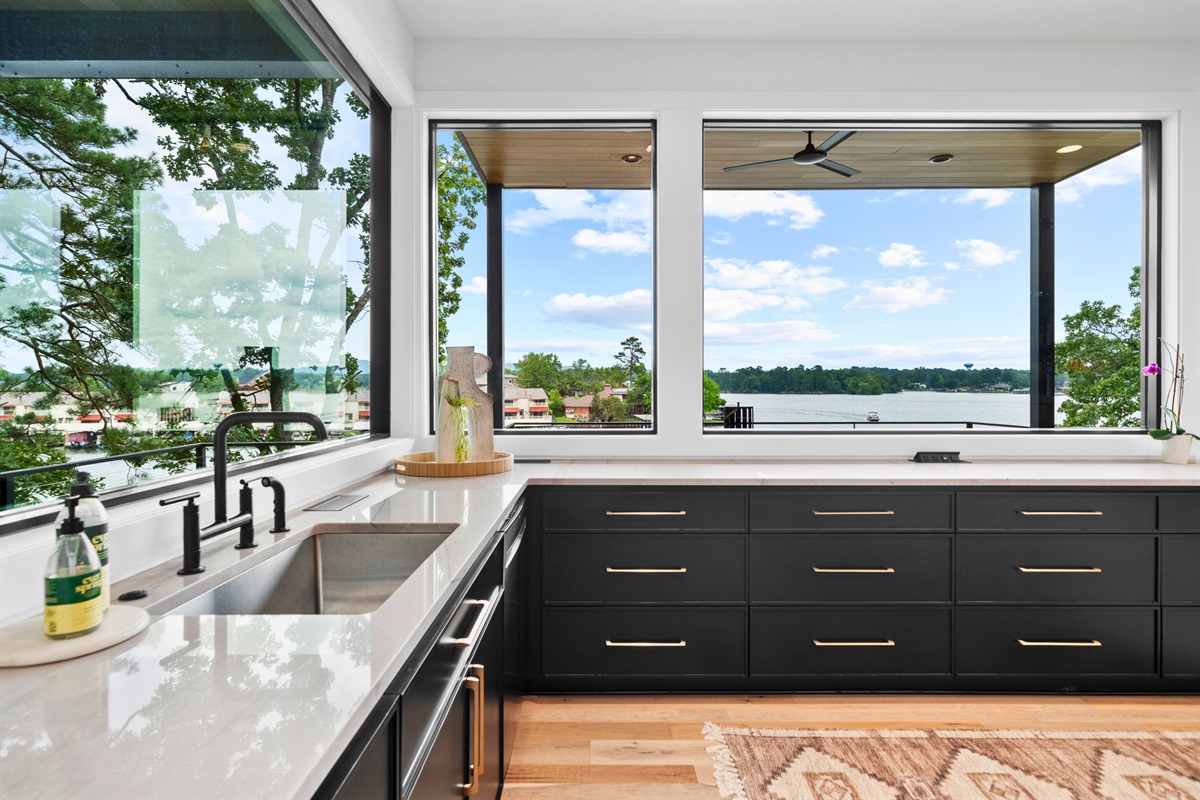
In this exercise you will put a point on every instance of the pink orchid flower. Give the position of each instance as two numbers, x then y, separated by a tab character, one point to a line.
1152	369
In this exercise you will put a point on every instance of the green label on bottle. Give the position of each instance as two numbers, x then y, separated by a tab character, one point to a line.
98	534
73	603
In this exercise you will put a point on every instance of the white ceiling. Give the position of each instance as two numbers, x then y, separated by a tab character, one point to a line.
1076	20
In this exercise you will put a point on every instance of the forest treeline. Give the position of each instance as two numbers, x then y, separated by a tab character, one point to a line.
862	380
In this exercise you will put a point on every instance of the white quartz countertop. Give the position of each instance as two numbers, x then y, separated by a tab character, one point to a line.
262	706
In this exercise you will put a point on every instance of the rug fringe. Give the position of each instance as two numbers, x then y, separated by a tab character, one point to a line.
729	782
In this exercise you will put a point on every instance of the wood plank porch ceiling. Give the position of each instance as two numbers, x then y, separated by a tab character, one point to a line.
887	159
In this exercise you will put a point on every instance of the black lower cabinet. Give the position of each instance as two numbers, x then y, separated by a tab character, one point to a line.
859	641
1181	641
1056	641
368	768
447	768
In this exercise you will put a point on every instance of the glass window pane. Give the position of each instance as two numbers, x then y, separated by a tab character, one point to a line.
880	279
185	222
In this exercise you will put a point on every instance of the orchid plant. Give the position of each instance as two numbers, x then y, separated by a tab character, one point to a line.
1174	396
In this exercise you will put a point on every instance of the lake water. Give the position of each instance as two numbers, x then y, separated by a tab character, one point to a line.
915	409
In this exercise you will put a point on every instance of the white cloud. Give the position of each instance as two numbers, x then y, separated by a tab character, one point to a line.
627	243
800	209
983	253
477	285
628	310
915	292
990	198
722	304
721	237
1125	168
823	251
952	265
902	255
892	196
618	210
799	330
774	275
595	351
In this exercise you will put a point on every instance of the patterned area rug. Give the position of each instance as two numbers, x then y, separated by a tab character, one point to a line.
768	764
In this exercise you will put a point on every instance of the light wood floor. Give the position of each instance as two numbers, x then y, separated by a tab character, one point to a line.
651	748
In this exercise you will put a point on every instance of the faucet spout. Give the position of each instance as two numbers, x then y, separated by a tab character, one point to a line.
221	443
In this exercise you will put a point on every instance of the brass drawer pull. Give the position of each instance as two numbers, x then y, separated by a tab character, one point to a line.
611	643
879	571
1060	569
648	570
884	643
1088	643
478	672
1061	513
645	513
853	513
475	746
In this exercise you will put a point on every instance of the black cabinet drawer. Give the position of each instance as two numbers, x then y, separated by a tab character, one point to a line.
1181	641
849	568
1056	568
844	511
1056	641
1179	512
645	568
1181	569
861	641
1056	511
630	510
644	641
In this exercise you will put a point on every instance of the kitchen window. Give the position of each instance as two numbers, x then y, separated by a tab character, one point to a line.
544	261
888	277
186	205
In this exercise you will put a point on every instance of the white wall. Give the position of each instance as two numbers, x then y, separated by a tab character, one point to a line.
681	83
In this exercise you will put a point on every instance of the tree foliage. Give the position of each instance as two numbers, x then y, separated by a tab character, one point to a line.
712	395
460	193
538	371
861	380
1101	359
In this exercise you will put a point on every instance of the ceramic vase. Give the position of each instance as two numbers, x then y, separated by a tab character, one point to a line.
466	434
1177	449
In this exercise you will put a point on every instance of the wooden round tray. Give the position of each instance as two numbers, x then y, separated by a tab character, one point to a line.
422	465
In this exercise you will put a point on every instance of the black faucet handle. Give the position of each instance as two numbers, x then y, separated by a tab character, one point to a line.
189	498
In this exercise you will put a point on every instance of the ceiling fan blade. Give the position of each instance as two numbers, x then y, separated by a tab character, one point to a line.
787	160
840	169
835	140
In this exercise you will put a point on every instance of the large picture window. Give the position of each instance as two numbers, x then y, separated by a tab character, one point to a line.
896	277
545	262
185	207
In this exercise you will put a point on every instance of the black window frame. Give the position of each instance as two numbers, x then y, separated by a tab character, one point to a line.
318	29
1151	285
495	285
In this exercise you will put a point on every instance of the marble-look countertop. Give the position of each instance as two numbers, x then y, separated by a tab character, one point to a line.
262	706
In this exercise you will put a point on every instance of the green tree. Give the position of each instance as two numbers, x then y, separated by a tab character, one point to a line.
26	443
630	358
642	391
1101	358
712	395
460	193
538	371
555	402
608	409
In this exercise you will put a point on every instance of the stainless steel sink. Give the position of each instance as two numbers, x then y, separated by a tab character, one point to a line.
334	571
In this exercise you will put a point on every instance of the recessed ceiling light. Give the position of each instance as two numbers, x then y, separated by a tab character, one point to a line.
1071	148
631	158
649	147
941	159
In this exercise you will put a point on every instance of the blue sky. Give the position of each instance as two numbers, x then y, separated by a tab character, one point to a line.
837	278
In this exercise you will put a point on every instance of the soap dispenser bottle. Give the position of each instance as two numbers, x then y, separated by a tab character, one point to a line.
72	581
95	526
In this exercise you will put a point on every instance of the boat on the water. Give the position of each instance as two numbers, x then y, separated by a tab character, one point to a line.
872	416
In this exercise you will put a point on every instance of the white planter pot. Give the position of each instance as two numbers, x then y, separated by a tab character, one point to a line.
1177	449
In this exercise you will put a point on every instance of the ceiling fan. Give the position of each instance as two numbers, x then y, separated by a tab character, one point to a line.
818	156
